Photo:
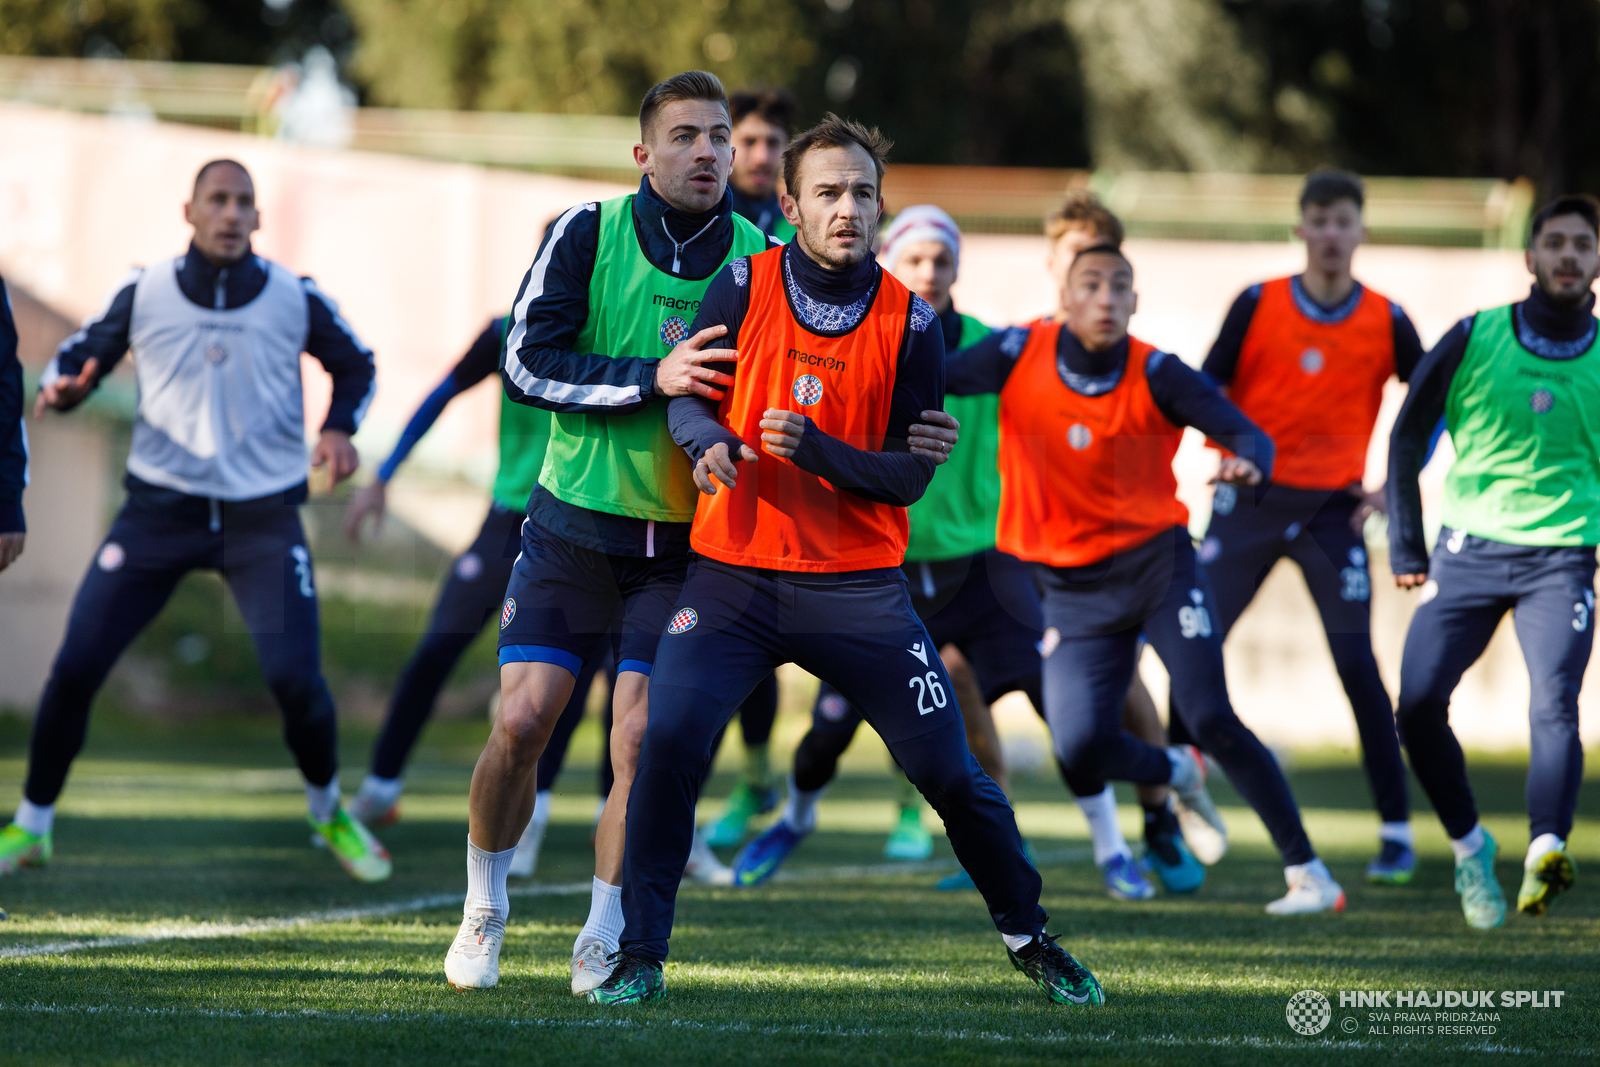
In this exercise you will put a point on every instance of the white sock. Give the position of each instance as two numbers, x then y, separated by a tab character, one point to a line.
800	811
1186	770
1101	812
1466	846
605	916
486	882
541	806
1016	942
1315	868
323	800
37	819
1396	831
385	791
1540	847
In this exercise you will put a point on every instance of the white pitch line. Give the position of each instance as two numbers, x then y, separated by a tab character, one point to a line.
208	930
632	1022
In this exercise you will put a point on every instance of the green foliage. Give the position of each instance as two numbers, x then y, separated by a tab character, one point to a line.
149	29
571	56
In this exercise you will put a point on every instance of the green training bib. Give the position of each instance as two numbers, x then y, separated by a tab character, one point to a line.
1527	438
524	437
957	515
629	464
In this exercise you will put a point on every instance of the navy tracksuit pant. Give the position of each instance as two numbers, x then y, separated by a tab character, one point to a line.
1472	583
1097	614
732	627
1251	529
259	548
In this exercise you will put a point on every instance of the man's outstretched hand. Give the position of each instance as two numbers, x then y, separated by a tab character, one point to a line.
716	466
1236	470
684	372
781	432
935	437
65	392
335	452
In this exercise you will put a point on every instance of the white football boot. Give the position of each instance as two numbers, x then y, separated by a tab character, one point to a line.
473	961
1311	889
703	867
1203	829
591	966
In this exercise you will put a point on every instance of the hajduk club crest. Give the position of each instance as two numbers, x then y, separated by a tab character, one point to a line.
683	620
673	331
807	389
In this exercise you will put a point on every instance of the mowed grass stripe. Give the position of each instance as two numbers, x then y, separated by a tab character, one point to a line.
1325	1044
247	927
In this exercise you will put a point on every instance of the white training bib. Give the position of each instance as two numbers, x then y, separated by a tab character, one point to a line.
220	407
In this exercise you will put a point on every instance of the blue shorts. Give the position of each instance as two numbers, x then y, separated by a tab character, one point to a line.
564	599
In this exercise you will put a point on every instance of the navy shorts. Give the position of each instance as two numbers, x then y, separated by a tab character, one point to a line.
987	605
564	599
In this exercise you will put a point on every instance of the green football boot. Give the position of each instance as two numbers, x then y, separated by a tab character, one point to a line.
18	848
361	855
909	840
1552	875
1482	900
1063	979
634	981
744	804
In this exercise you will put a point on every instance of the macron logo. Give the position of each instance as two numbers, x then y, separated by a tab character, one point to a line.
918	651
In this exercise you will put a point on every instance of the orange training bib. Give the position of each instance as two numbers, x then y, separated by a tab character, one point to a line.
778	516
1082	477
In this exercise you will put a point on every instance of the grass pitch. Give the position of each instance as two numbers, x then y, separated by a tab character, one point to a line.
208	932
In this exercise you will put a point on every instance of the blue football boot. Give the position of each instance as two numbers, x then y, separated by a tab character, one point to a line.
761	858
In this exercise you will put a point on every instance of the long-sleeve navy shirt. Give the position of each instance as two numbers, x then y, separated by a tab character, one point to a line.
13	434
828	302
481	360
1546	329
1224	356
542	368
329	339
1182	394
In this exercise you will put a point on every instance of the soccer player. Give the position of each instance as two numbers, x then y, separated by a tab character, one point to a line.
598	337
1306	359
13	439
971	597
799	551
470	596
216	472
1090	420
1518	387
1080	222
763	123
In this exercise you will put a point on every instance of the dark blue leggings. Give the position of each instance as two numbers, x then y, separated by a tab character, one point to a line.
260	551
1550	592
1251	529
864	639
1086	680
